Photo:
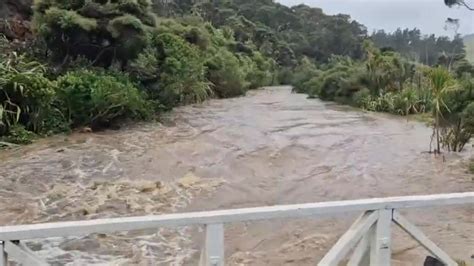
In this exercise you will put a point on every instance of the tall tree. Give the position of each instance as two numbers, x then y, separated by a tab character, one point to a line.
102	31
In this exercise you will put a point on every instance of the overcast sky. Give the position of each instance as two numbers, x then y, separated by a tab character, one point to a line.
427	15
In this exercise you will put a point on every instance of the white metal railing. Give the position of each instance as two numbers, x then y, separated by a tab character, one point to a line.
369	237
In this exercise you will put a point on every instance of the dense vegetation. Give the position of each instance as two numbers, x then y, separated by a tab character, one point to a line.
103	61
385	81
416	47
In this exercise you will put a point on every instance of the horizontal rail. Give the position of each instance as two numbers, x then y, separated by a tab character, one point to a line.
77	228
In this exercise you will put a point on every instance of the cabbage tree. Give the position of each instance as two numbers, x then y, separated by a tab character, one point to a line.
441	84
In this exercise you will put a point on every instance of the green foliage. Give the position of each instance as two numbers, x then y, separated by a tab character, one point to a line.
412	44
98	99
363	99
19	135
119	24
225	73
26	95
173	71
459	129
339	81
386	71
286	34
409	101
182	71
67	20
441	84
285	76
223	49
467	117
102	31
259	70
305	72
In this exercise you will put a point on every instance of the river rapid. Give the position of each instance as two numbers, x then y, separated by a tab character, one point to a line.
269	147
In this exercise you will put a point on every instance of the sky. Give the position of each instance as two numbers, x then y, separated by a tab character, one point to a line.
427	15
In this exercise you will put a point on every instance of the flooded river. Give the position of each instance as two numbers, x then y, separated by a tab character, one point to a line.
270	147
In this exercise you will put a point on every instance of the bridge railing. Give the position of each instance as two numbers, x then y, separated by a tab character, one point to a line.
369	237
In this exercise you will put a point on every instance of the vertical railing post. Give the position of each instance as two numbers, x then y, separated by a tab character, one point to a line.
214	252
3	254
380	240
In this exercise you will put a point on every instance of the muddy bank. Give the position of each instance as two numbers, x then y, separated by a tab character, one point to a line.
270	147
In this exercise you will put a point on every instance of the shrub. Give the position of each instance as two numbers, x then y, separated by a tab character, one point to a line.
362	98
460	129
313	86
19	135
97	99
409	101
26	96
303	73
468	117
259	71
195	32
182	71
102	31
226	75
285	76
176	72
339	82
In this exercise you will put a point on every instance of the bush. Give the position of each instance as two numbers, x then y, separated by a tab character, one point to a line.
458	123
362	98
259	70
313	86
26	97
97	99
226	75
102	31
285	76
303	74
172	70
460	130
468	117
409	101
19	135
339	82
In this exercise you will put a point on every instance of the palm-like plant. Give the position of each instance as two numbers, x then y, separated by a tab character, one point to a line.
441	84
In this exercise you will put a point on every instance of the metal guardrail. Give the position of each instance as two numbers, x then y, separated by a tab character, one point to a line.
369	236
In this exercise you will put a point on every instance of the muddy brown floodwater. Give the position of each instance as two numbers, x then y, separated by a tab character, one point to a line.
270	147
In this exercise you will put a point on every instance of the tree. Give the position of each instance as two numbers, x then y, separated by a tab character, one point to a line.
102	31
441	84
427	50
452	3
